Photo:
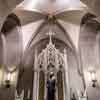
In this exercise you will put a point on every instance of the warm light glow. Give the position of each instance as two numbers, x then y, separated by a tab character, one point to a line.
14	77
92	76
9	76
1	73
89	76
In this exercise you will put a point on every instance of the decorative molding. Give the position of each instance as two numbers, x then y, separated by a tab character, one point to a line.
50	55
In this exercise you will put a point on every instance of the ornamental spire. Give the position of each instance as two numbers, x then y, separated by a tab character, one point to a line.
50	33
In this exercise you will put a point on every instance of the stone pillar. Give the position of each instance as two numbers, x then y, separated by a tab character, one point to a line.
67	85
80	67
36	76
19	97
4	49
35	86
45	91
22	95
97	48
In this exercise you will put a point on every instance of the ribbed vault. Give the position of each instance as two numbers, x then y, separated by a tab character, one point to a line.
49	10
28	59
54	26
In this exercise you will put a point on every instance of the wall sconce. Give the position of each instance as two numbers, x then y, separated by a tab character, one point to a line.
92	73
8	80
10	77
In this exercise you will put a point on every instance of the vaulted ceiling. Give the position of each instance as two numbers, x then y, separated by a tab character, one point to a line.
6	7
67	14
93	5
32	14
37	16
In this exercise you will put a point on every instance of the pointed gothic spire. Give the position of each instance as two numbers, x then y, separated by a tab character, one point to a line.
50	36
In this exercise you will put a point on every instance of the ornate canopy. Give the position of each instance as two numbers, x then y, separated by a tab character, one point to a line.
50	56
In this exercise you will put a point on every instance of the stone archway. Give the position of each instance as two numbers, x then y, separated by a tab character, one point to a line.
49	60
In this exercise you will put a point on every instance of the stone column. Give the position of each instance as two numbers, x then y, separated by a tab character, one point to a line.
67	85
4	55
45	87
80	67
4	49
45	72
97	48
36	80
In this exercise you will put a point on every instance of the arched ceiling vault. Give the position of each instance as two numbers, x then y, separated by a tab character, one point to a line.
94	7
40	45
58	30
6	8
70	13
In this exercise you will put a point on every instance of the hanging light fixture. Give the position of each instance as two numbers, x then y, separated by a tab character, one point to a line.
8	80
10	77
93	78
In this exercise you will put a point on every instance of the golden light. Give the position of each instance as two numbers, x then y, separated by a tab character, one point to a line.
1	75
10	79
92	76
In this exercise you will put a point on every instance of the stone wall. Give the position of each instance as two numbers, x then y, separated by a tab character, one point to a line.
89	48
